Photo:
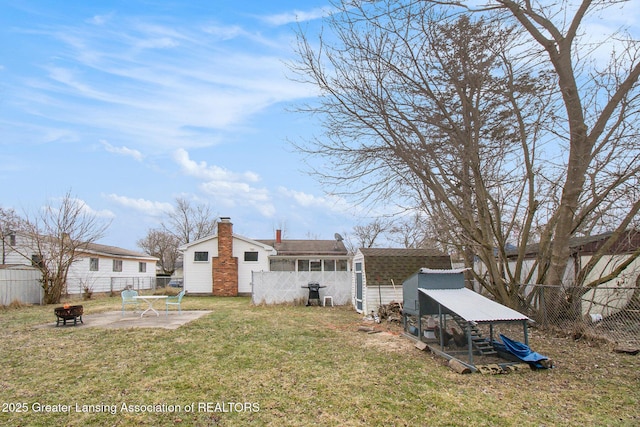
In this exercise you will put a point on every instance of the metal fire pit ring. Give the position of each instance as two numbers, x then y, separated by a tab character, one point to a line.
68	313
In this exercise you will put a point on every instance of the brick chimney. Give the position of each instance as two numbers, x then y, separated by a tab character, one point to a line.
224	267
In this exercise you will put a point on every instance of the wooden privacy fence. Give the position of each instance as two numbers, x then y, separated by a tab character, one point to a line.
280	287
20	285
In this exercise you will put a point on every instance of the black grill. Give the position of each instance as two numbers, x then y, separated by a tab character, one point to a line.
314	292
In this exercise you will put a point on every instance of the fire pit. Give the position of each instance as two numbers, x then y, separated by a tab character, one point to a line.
314	292
68	312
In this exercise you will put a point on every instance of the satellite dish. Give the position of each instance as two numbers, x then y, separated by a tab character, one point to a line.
338	237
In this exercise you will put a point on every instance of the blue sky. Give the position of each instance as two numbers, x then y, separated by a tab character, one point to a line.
130	104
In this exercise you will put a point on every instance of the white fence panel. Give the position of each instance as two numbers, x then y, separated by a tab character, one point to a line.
21	285
278	287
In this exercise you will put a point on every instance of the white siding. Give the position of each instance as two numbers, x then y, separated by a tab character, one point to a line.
614	295
245	268
608	298
375	297
197	274
372	297
103	280
107	280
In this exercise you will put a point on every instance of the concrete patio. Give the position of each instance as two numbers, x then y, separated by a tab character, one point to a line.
115	319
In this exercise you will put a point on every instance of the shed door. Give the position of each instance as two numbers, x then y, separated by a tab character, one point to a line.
359	286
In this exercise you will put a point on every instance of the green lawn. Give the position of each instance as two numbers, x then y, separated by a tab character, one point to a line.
287	366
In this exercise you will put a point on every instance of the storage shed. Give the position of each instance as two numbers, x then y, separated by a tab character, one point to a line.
378	273
435	302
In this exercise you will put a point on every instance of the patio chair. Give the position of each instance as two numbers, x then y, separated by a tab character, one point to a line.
129	298
175	300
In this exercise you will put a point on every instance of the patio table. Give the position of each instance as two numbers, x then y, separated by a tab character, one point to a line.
150	300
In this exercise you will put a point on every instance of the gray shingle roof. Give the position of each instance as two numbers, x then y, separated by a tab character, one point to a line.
116	251
307	247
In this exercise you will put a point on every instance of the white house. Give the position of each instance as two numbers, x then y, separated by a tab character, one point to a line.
224	264
607	298
98	268
103	268
226	258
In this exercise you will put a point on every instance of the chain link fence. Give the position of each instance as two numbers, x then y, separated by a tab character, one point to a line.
609	313
136	283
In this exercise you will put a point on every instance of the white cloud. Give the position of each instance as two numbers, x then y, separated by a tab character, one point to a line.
84	207
160	85
124	151
147	207
202	170
306	200
229	189
100	19
297	16
224	32
104	213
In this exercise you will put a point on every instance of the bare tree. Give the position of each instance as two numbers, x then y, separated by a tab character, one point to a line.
499	126
9	224
188	222
366	235
55	238
164	246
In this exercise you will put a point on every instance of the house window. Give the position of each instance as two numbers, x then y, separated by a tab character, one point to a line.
303	265
36	261
117	265
12	239
341	265
251	256
329	265
94	264
142	267
309	265
315	265
282	265
201	256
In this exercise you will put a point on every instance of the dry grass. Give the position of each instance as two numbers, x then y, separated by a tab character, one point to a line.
292	366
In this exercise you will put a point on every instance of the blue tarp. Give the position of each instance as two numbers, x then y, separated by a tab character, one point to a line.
521	351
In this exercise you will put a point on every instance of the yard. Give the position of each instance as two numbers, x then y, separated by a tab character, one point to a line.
285	365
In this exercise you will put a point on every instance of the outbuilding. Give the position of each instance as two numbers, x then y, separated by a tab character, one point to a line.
378	273
438	309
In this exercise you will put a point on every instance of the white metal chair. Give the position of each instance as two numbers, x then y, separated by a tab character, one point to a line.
129	298
176	300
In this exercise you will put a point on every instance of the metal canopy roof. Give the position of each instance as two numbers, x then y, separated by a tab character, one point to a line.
472	306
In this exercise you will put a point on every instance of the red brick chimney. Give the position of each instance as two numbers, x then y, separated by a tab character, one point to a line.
224	267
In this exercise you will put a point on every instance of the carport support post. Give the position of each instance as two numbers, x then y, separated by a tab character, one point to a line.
470	343
441	326
526	333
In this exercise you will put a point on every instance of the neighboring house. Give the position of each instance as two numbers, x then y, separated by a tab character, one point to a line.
103	268
609	297
378	273
223	264
99	268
